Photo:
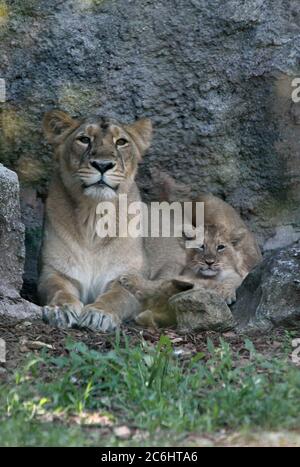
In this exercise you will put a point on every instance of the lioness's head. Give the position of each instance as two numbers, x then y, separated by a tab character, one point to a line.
97	157
217	254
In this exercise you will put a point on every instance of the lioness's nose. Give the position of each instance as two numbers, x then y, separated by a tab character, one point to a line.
103	166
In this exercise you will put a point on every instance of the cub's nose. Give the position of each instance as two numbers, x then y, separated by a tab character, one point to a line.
102	166
210	261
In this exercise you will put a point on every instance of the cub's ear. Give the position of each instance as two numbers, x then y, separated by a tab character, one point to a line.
141	133
56	124
238	236
181	286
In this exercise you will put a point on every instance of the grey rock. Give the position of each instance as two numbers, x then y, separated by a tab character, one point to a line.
18	308
270	295
201	310
12	250
285	235
12	233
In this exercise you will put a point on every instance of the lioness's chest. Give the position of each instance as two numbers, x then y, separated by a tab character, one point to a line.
95	269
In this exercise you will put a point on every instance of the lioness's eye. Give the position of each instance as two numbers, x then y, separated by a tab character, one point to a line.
221	247
121	142
84	139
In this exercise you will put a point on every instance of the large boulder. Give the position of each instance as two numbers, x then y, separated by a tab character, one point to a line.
12	250
270	295
201	310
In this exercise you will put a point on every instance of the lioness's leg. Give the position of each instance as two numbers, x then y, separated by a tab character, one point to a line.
62	300
110	309
154	298
140	287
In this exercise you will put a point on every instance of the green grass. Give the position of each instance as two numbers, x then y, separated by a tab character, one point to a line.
149	389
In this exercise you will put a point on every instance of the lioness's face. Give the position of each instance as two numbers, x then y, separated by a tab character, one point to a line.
215	256
98	157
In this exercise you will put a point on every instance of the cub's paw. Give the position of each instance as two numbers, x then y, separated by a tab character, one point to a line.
227	293
146	319
133	283
97	320
63	316
231	298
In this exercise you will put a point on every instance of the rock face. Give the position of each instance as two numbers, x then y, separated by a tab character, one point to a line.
12	251
201	310
270	295
215	76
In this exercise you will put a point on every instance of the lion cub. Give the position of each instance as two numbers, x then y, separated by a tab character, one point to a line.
221	263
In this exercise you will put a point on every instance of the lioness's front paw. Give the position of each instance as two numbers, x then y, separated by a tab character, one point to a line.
63	316
97	320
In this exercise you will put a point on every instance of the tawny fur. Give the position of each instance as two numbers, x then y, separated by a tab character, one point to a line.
171	260
77	266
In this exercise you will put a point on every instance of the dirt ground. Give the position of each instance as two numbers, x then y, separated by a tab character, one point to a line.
22	337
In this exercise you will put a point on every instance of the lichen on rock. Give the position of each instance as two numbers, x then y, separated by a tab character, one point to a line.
201	310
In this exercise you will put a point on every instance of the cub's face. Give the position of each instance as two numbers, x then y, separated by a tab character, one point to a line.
216	256
97	157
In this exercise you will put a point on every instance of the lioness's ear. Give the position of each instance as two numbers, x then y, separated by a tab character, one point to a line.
141	132
56	123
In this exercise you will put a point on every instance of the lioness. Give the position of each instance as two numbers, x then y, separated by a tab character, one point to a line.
220	263
96	160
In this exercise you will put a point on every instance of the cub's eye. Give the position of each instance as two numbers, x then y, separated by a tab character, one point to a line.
201	247
84	139
121	142
221	247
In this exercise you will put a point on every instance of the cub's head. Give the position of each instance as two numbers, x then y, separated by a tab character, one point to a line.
218	254
97	157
